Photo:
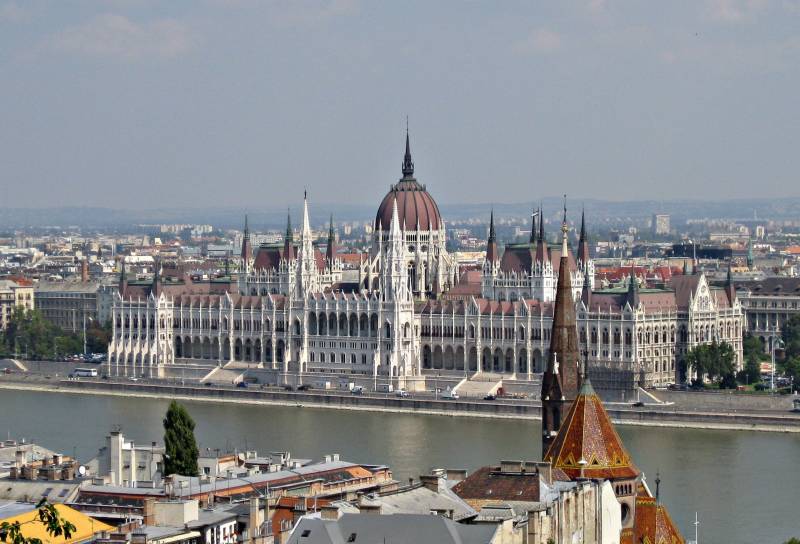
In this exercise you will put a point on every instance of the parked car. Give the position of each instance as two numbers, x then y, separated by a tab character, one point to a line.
242	385
450	395
288	387
304	387
402	393
638	404
490	397
357	390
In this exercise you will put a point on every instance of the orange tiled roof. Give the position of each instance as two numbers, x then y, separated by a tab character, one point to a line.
588	434
652	524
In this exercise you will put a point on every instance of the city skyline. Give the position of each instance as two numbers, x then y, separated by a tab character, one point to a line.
183	104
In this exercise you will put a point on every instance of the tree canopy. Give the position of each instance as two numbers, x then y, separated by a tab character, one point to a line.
29	333
179	442
790	365
714	361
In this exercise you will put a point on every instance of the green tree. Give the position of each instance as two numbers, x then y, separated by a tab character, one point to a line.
714	361
752	348
793	541
48	516
179	442
751	373
97	337
790	334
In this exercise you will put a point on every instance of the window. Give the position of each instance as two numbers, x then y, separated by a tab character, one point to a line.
306	533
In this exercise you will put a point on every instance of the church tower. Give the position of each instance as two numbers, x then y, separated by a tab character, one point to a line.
561	380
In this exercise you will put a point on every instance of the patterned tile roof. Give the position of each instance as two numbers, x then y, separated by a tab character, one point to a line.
587	433
652	524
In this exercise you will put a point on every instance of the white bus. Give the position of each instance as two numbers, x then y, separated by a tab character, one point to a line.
85	372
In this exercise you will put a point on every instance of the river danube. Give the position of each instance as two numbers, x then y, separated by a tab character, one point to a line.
744	485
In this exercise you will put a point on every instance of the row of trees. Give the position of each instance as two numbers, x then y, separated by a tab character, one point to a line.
29	333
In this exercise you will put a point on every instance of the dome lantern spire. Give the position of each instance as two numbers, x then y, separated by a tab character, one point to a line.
408	164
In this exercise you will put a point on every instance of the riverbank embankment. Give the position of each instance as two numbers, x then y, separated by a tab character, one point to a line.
651	416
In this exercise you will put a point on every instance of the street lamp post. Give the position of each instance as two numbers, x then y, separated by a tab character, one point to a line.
775	339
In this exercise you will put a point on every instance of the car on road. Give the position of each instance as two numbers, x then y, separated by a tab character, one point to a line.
490	397
450	395
638	404
304	387
288	387
357	390
242	385
402	393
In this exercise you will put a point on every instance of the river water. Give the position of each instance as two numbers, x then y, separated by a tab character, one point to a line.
745	486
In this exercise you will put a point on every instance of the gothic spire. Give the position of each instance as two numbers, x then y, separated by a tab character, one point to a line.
583	243
492	254
532	239
541	243
331	250
288	239
247	250
408	164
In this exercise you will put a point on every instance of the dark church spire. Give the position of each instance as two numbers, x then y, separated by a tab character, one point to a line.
408	164
532	239
561	379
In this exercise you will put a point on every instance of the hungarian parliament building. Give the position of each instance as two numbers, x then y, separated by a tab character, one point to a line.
404	314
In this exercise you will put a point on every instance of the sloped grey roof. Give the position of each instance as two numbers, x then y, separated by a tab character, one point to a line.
397	529
421	500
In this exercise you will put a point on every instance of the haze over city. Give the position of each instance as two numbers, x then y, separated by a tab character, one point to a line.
141	104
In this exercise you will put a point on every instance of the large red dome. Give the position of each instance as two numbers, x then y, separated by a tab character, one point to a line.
414	206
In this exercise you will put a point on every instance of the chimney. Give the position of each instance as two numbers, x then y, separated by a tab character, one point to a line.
510	466
85	270
545	472
148	512
255	518
434	483
20	458
57	459
456	475
330	512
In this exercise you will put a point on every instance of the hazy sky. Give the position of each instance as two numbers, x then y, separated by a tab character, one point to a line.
139	103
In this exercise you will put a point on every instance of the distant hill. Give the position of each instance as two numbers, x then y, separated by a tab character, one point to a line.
108	219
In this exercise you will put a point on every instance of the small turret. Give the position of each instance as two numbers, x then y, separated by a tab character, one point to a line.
633	290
